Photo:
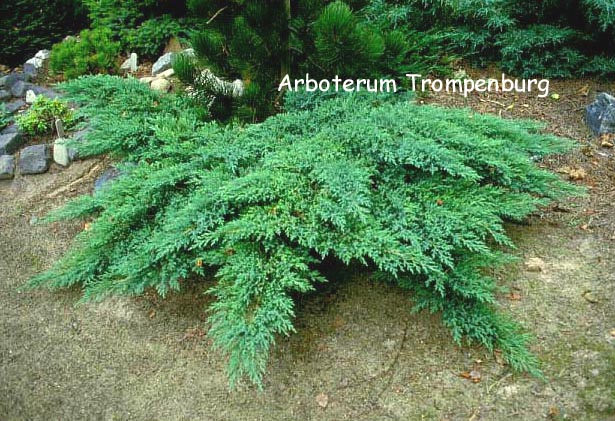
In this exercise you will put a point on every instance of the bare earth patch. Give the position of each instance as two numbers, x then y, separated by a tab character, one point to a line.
358	352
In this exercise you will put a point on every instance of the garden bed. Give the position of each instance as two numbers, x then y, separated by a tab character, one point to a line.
358	354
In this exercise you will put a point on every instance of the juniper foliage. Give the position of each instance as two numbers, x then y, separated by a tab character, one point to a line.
528	38
418	194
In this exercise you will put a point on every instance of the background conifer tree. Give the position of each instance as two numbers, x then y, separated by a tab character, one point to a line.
259	42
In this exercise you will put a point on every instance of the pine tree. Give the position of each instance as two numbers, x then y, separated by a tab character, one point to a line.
242	40
257	43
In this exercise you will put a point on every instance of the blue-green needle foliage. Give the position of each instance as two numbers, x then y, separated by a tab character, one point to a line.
416	193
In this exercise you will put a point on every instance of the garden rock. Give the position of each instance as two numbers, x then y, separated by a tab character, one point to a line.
163	63
60	152
34	159
7	167
49	93
43	55
4	95
40	59
10	142
147	79
600	115
20	87
12	78
30	96
161	85
11	107
10	129
36	63
130	64
30	69
167	73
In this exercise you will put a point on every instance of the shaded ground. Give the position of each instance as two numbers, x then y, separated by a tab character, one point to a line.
357	347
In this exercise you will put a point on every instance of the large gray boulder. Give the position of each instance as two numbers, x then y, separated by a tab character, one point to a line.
165	62
13	106
10	142
7	167
30	70
34	159
38	62
600	114
9	80
20	87
13	128
49	93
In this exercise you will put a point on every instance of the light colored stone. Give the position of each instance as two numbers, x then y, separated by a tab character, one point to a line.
60	152
130	64
161	85
163	63
167	73
146	79
43	54
36	62
535	264
30	96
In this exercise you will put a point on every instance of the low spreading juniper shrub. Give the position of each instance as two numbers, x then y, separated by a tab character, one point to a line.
418	194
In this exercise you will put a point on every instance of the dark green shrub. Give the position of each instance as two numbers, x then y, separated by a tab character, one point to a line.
150	38
344	46
117	15
601	13
40	117
543	50
418	194
143	27
554	38
27	26
92	52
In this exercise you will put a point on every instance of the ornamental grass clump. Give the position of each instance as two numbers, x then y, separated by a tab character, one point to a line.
418	195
